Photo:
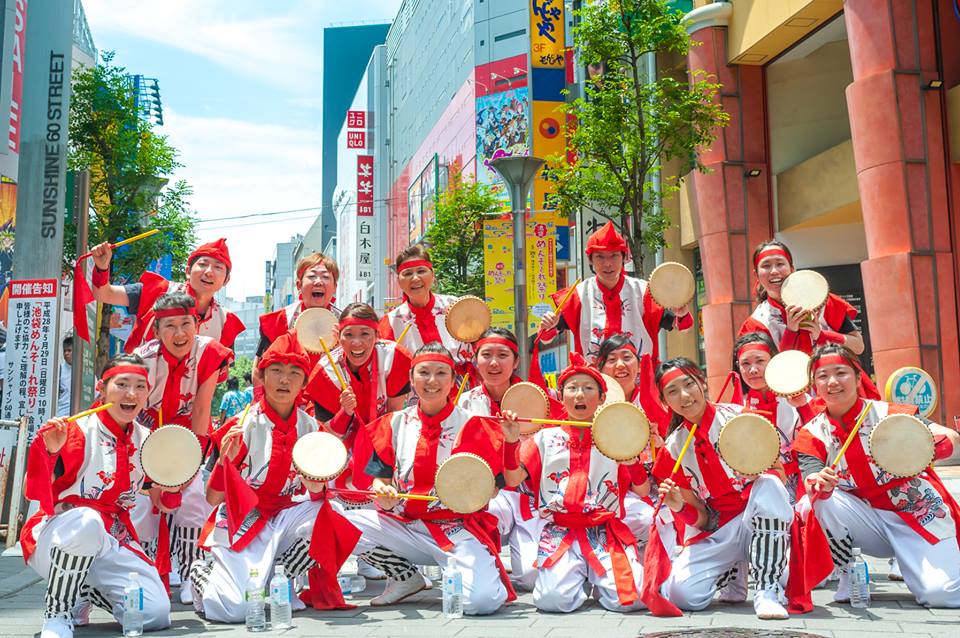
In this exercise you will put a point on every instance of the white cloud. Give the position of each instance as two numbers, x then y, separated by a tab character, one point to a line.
237	168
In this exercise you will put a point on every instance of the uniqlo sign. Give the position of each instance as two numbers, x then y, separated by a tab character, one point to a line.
365	185
356	119
356	139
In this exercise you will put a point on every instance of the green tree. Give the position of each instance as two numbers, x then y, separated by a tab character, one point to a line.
455	235
128	164
628	127
241	366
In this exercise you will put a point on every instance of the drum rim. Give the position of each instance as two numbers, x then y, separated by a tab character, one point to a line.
608	380
826	295
487	313
311	477
460	455
313	348
530	428
144	444
788	353
773	430
593	430
913	418
671	264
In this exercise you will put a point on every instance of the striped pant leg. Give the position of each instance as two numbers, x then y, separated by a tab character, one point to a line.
186	548
64	582
768	552
390	563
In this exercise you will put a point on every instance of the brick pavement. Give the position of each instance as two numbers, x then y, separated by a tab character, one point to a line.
893	611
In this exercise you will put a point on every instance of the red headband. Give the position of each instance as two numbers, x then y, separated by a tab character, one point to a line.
670	375
414	263
175	312
500	341
431	356
125	369
771	250
831	360
754	345
357	321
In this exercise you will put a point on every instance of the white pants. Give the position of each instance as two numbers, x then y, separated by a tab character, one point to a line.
560	588
638	514
930	571
522	535
483	591
695	572
220	582
80	532
192	513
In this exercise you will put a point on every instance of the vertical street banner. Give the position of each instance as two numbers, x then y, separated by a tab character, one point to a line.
31	367
547	81
365	217
498	270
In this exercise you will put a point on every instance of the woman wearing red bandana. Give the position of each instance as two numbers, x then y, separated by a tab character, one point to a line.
729	518
317	277
497	360
85	475
184	369
580	494
422	310
914	519
610	303
208	270
790	327
260	518
409	447
377	372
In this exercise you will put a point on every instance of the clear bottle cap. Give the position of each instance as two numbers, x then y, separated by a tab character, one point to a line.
278	570
856	551
133	576
451	561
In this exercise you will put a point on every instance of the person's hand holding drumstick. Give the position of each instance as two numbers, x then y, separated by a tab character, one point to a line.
385	494
230	444
510	426
348	401
54	433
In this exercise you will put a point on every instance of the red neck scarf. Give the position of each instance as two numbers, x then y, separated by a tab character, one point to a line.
425	461
613	306
426	322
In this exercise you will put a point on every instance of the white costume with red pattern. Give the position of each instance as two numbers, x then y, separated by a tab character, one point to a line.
580	493
85	492
914	519
426	324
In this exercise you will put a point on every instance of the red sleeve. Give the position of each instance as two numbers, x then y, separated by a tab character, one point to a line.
837	310
40	484
571	310
664	466
380	432
273	324
806	413
322	389
231	330
154	287
216	358
530	459
217	435
685	322
652	314
399	375
483	436
385	330
806	443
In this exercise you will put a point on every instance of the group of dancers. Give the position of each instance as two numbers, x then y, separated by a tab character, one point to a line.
672	529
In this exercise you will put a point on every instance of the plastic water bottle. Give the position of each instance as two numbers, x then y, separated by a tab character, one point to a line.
256	615
351	583
452	590
133	606
433	572
280	596
859	581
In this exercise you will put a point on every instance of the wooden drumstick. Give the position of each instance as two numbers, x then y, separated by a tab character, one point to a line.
80	415
403	333
563	301
676	466
853	433
405	496
130	240
463	385
576	424
333	364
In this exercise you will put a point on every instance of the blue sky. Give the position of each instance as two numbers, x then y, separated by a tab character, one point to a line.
240	82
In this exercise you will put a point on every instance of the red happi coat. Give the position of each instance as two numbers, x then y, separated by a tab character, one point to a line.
769	317
594	313
218	322
101	470
174	384
384	375
428	325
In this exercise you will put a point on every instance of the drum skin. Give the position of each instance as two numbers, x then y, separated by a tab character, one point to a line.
468	318
806	289
312	325
171	456
672	285
529	401
614	391
465	483
902	445
788	373
749	444
319	456
621	431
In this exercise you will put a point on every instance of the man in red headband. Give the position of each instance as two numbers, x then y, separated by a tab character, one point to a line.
85	476
184	370
208	270
610	303
579	493
261	518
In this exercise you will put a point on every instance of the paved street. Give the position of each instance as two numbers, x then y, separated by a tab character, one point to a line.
893	611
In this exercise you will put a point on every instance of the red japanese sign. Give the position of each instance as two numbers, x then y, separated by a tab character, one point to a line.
356	139
356	119
365	185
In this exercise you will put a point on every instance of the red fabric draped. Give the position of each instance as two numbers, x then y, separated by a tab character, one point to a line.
425	320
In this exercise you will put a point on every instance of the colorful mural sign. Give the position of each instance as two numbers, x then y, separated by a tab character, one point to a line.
498	270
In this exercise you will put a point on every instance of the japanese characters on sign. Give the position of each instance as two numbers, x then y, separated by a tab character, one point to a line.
31	369
357	119
547	46
365	224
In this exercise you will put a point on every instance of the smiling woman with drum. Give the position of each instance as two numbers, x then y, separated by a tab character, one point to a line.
421	316
881	495
257	521
618	359
410	446
738	517
85	473
579	493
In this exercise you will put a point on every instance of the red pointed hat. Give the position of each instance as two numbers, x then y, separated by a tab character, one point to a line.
578	365
286	349
216	249
607	238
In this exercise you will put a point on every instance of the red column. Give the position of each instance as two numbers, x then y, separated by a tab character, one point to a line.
732	211
898	132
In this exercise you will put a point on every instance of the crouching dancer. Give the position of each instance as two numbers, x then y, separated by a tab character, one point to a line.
256	521
85	475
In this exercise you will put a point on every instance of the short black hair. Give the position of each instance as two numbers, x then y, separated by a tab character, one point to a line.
175	300
609	345
123	359
233	383
67	342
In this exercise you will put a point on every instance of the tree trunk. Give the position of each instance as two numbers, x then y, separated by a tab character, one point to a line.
103	339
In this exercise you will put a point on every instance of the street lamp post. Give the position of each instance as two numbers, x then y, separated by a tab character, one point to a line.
518	174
